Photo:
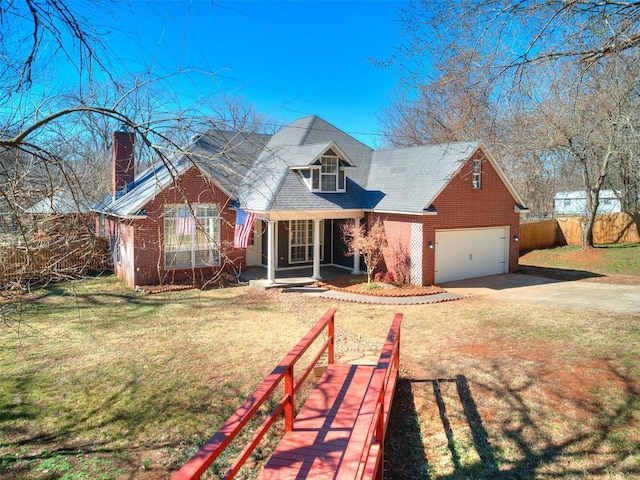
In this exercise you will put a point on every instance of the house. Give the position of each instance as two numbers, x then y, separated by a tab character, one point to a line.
575	203
61	202
449	211
61	212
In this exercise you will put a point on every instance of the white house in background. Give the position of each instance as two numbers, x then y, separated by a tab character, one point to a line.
62	202
575	203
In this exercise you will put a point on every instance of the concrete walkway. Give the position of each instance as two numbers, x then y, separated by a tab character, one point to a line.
511	288
538	290
300	281
377	300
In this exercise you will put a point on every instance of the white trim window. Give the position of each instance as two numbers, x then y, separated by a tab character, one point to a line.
191	236
476	182
301	241
329	176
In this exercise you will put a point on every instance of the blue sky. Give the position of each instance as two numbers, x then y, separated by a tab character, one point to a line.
289	58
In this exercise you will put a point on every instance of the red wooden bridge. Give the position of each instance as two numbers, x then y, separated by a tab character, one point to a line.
340	429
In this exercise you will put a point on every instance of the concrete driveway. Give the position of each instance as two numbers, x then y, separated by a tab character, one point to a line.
521	288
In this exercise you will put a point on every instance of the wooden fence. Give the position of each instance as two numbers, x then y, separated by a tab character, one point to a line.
62	258
543	234
608	228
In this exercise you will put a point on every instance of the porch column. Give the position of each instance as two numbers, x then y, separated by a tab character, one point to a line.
271	254
356	254
316	250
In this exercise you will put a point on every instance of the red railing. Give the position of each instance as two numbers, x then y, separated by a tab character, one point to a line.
382	388
198	464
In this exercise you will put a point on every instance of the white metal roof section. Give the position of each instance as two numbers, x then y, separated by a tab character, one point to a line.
581	195
62	202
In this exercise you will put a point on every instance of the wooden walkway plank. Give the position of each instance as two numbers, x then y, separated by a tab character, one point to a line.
340	429
324	426
340	390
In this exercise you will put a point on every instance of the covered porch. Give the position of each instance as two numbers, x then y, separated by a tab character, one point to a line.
258	276
300	245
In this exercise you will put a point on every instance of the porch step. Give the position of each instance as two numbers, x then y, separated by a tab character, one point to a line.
262	284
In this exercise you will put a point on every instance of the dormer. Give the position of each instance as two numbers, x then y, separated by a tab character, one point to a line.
326	172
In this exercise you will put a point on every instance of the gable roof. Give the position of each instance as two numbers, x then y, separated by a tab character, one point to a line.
411	178
222	156
273	185
262	172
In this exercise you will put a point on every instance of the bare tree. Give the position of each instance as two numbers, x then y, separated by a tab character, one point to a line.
368	240
516	34
55	137
589	126
525	60
452	103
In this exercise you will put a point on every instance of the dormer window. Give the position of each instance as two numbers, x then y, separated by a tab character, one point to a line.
327	175
323	168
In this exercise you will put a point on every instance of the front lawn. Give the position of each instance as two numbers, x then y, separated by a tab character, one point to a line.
102	382
619	259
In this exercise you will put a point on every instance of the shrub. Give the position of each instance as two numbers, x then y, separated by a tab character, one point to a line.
384	277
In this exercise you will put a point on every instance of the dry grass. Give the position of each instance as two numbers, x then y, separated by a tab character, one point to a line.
520	393
100	382
617	262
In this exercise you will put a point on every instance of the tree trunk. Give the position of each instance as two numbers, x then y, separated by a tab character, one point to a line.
593	197
593	201
587	231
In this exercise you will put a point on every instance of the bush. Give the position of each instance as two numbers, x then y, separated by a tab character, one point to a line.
384	277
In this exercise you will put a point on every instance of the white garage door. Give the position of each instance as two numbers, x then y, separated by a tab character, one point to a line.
471	253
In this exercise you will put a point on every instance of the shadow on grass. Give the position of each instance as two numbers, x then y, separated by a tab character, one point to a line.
97	303
98	431
404	451
604	446
558	273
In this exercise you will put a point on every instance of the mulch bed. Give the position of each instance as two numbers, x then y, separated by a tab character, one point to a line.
346	284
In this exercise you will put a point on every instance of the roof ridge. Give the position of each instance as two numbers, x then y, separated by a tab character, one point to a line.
314	118
431	145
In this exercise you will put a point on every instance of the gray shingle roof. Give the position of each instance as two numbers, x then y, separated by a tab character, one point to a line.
411	178
259	171
225	157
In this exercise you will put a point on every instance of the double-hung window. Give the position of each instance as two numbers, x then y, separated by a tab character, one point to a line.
191	236
477	175
329	174
327	177
301	244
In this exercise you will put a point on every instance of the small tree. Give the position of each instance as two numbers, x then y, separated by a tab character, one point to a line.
368	242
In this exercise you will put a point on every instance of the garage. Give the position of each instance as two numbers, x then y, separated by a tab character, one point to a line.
471	253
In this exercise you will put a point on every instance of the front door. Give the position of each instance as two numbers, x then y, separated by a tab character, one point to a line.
254	250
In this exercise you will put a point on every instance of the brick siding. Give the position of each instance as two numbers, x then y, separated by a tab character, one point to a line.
146	267
459	206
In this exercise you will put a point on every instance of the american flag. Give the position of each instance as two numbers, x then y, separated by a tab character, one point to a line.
185	223
244	225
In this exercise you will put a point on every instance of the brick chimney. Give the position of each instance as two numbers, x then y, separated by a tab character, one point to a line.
122	144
